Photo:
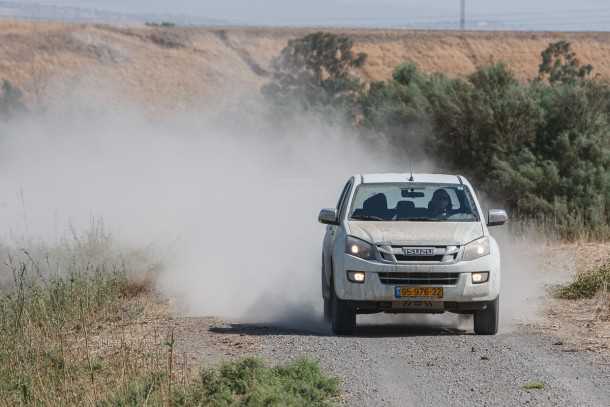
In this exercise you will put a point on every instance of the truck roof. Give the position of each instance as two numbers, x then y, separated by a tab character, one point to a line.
417	177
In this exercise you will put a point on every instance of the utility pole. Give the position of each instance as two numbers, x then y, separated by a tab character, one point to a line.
462	15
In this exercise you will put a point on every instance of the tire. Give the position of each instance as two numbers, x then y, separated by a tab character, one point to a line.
486	321
343	316
326	295
327	310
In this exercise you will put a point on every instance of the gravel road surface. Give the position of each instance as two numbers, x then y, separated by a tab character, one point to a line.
411	364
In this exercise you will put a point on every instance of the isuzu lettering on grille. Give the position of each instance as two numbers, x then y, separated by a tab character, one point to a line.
418	251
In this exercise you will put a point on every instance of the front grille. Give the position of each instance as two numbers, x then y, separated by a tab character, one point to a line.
402	257
419	278
409	254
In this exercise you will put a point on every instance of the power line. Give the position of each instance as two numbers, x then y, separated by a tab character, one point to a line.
462	14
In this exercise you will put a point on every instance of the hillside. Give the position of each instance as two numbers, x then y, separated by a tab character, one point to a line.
174	67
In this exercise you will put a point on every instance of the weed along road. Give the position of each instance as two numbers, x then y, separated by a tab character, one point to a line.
422	364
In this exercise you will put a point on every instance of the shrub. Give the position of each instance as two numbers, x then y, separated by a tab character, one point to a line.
559	64
587	284
249	383
168	39
543	148
11	101
314	72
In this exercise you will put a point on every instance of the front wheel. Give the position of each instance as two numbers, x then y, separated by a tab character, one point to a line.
327	310
343	316
486	321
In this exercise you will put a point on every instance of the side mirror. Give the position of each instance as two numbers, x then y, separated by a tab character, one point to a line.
328	217
497	217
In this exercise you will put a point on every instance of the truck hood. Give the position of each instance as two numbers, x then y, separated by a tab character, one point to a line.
416	233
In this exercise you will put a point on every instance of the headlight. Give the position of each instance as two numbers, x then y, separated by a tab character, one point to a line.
476	249
359	248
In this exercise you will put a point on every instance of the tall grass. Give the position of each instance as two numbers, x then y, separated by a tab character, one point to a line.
65	315
553	228
54	302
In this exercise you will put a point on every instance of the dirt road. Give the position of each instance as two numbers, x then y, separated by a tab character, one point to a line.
436	360
409	364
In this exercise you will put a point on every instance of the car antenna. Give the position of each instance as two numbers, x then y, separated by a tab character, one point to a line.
411	179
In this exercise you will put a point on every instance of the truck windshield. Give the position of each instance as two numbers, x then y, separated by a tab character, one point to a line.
413	202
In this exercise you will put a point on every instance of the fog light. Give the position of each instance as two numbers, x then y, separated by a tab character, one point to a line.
480	278
356	276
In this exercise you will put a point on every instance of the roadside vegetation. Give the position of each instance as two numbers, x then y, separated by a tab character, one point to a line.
542	146
250	383
536	385
54	304
587	284
68	314
11	102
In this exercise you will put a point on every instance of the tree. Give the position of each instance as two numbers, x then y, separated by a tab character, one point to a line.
542	147
10	100
560	65
316	71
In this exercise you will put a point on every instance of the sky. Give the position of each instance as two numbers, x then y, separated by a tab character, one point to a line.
347	12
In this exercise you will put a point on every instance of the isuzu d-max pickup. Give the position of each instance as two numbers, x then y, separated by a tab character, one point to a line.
410	243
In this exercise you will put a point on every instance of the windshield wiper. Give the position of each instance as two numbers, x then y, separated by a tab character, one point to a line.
367	217
438	220
426	219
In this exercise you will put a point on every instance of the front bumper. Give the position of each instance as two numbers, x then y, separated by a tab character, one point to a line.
373	290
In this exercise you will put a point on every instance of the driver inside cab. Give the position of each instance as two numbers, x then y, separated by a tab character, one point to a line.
440	204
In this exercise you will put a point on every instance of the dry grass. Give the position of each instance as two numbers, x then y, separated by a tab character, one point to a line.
602	308
584	320
169	67
81	324
54	310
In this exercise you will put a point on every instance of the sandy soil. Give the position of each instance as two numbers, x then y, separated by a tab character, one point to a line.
582	324
173	68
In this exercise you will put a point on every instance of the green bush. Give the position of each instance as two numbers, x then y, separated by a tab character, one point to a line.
250	383
586	285
11	101
541	147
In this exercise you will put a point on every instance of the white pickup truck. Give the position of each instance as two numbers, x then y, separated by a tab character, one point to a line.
410	243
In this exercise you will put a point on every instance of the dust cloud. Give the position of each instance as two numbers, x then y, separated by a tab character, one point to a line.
228	197
530	270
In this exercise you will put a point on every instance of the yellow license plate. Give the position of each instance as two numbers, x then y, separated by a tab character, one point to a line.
419	292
